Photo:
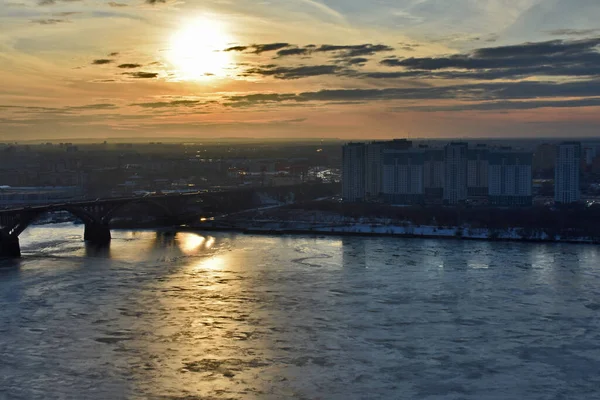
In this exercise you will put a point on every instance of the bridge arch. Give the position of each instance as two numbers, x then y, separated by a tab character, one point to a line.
110	214
28	218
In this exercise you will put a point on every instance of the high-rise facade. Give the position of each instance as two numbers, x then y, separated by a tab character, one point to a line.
477	171
396	173
566	173
373	169
353	172
403	176
455	171
374	164
510	178
433	174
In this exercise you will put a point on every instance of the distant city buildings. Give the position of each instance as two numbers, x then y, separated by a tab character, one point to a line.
433	174
510	178
20	196
403	176
354	172
566	173
455	168
477	171
394	172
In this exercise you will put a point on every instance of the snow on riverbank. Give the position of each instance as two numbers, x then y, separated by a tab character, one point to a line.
403	230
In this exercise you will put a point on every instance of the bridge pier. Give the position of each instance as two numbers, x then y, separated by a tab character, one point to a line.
9	247
97	233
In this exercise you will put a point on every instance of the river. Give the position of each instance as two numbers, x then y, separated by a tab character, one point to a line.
228	316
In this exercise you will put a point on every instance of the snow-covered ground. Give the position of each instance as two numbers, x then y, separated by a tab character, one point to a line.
405	229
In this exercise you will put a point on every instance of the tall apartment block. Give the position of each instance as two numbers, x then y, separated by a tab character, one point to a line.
566	173
403	176
374	164
397	173
353	172
510	178
477	171
433	174
455	170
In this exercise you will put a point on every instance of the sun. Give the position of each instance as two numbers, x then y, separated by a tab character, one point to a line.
196	50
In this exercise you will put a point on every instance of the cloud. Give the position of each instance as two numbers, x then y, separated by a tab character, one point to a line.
341	51
53	2
101	106
113	54
129	66
513	105
550	58
357	61
168	104
574	32
115	4
325	9
142	75
236	48
153	2
354	50
259	48
66	13
466	92
296	51
102	61
49	21
294	72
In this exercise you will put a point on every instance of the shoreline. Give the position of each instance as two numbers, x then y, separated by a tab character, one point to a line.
361	233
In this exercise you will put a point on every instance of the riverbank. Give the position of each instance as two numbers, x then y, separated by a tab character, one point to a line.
390	230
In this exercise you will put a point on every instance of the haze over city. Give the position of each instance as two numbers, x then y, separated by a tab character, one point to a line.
299	68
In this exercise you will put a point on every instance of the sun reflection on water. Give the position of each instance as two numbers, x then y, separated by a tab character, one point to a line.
190	243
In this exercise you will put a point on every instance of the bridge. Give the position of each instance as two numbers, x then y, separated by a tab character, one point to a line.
95	214
173	209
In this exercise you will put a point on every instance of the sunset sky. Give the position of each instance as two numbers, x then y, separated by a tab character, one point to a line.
299	68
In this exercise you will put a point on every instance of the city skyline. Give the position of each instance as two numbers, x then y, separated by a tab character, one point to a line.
303	68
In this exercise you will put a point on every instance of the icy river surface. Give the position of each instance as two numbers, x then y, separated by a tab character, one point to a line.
228	316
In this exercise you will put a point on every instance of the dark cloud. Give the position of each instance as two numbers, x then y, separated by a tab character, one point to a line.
551	58
49	21
102	61
66	13
469	92
142	75
408	46
101	106
236	48
341	51
129	66
294	72
153	2
355	50
261	48
513	105
53	2
115	4
296	51
168	104
114	54
357	61
574	32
